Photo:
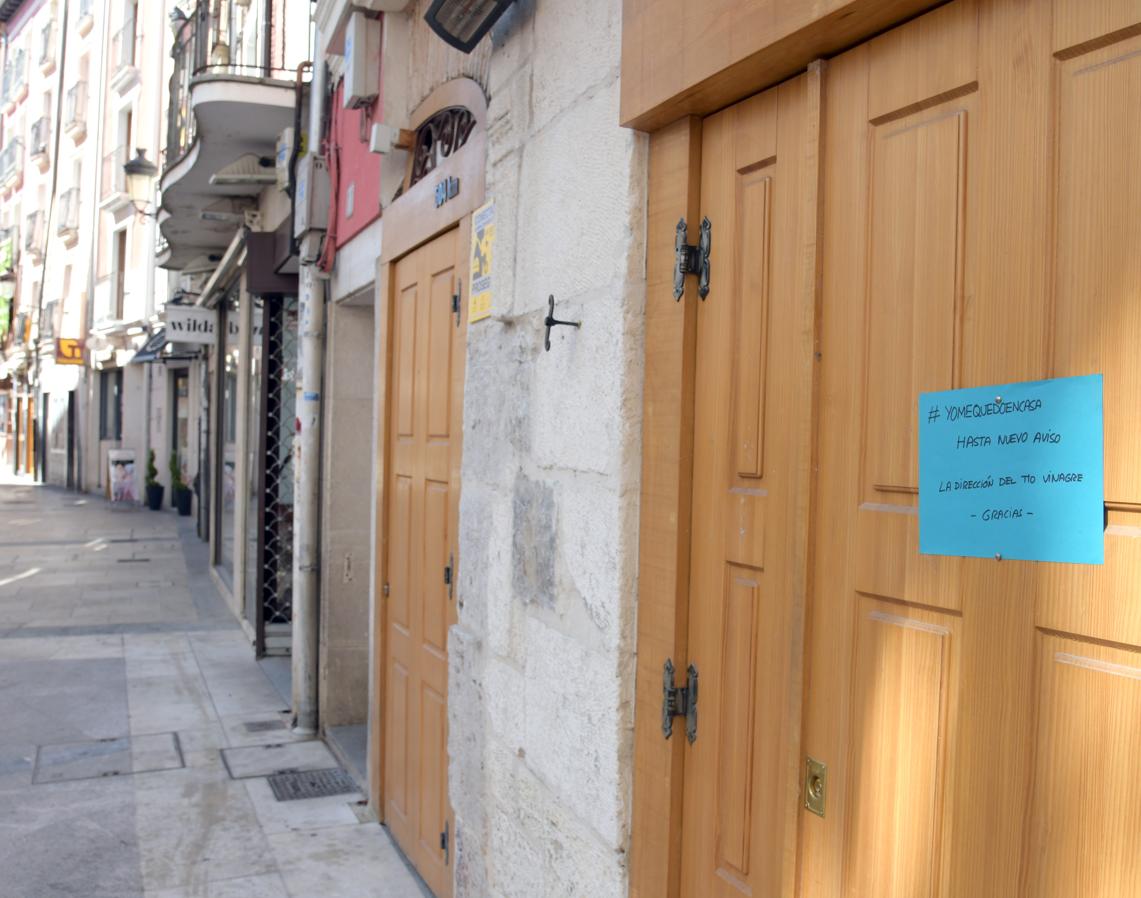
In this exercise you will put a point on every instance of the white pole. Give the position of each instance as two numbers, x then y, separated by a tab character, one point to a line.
307	451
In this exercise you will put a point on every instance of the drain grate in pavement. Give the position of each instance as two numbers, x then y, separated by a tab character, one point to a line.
264	726
311	784
131	560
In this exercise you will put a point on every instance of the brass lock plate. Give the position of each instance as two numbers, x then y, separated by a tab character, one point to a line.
815	786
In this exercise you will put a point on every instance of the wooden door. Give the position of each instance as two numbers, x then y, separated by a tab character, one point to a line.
980	719
424	428
752	407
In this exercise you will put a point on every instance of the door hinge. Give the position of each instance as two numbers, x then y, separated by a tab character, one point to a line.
692	259
448	574
384	589
679	701
456	301
444	846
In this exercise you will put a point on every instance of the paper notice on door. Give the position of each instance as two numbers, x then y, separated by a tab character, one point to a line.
1013	471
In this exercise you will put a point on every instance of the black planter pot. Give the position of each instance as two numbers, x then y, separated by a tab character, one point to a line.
182	500
154	496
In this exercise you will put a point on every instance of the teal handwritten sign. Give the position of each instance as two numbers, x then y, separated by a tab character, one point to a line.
1013	471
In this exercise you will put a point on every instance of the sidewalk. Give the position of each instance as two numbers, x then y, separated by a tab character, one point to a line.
138	730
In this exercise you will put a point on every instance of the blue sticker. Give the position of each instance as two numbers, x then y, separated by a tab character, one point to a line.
1014	471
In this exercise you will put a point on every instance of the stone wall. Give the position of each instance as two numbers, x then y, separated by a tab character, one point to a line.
542	659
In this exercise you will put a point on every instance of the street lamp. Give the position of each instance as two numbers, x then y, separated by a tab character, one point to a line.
140	173
463	23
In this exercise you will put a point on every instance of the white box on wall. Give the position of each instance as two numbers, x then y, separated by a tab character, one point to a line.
362	61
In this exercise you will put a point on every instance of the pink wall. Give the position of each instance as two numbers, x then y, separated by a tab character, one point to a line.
356	171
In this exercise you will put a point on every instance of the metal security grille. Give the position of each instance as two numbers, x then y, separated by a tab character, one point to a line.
280	366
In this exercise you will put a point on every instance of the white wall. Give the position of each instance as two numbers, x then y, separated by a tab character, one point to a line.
542	679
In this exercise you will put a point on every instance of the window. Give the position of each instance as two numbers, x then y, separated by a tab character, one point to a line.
120	274
111	404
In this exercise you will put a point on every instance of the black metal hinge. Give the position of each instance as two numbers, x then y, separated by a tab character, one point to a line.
444	847
456	301
679	701
448	574
692	259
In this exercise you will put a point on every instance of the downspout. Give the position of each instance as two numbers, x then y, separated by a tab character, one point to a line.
307	450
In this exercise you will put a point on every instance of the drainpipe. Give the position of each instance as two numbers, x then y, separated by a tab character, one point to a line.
307	450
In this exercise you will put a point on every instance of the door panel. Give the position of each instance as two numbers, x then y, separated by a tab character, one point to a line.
427	394
980	226
753	367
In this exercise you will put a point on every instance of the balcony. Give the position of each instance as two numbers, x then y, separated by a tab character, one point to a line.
231	95
75	112
34	236
68	221
124	75
12	165
47	48
14	85
85	20
113	194
40	142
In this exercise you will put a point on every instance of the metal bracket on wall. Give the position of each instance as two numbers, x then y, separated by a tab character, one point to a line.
692	259
551	321
679	701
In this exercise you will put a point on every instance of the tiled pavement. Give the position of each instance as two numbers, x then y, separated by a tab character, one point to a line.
125	685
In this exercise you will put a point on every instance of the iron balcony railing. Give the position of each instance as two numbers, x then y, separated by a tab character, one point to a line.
34	232
11	160
123	45
15	75
68	212
47	44
40	136
75	111
114	179
237	44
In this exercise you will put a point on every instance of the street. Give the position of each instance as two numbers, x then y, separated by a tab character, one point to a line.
138	730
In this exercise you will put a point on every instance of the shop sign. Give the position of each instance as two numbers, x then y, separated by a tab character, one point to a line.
482	247
191	324
68	351
1013	471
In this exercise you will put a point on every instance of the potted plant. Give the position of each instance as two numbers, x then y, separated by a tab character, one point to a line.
154	488
179	491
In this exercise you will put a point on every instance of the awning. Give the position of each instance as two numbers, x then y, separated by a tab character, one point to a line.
152	349
227	270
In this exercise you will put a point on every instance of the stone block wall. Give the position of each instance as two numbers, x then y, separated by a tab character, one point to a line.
542	679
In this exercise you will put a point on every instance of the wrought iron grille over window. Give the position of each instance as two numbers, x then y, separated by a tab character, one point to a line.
280	365
438	138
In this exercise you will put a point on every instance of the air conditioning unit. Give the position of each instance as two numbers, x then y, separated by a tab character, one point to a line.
362	61
311	196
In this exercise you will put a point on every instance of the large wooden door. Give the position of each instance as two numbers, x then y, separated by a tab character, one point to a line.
424	427
980	719
751	470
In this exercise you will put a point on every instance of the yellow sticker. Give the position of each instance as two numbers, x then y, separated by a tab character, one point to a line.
482	247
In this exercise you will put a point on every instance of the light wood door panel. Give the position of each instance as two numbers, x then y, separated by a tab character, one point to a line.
424	457
752	388
980	225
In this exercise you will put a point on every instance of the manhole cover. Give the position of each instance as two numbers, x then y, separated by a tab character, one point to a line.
264	726
311	784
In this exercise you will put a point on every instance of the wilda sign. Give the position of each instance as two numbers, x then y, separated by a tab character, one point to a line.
190	324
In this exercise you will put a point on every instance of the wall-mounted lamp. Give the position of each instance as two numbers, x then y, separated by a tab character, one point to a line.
463	23
140	173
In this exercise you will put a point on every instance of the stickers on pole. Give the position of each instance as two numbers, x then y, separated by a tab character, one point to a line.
1013	471
482	246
